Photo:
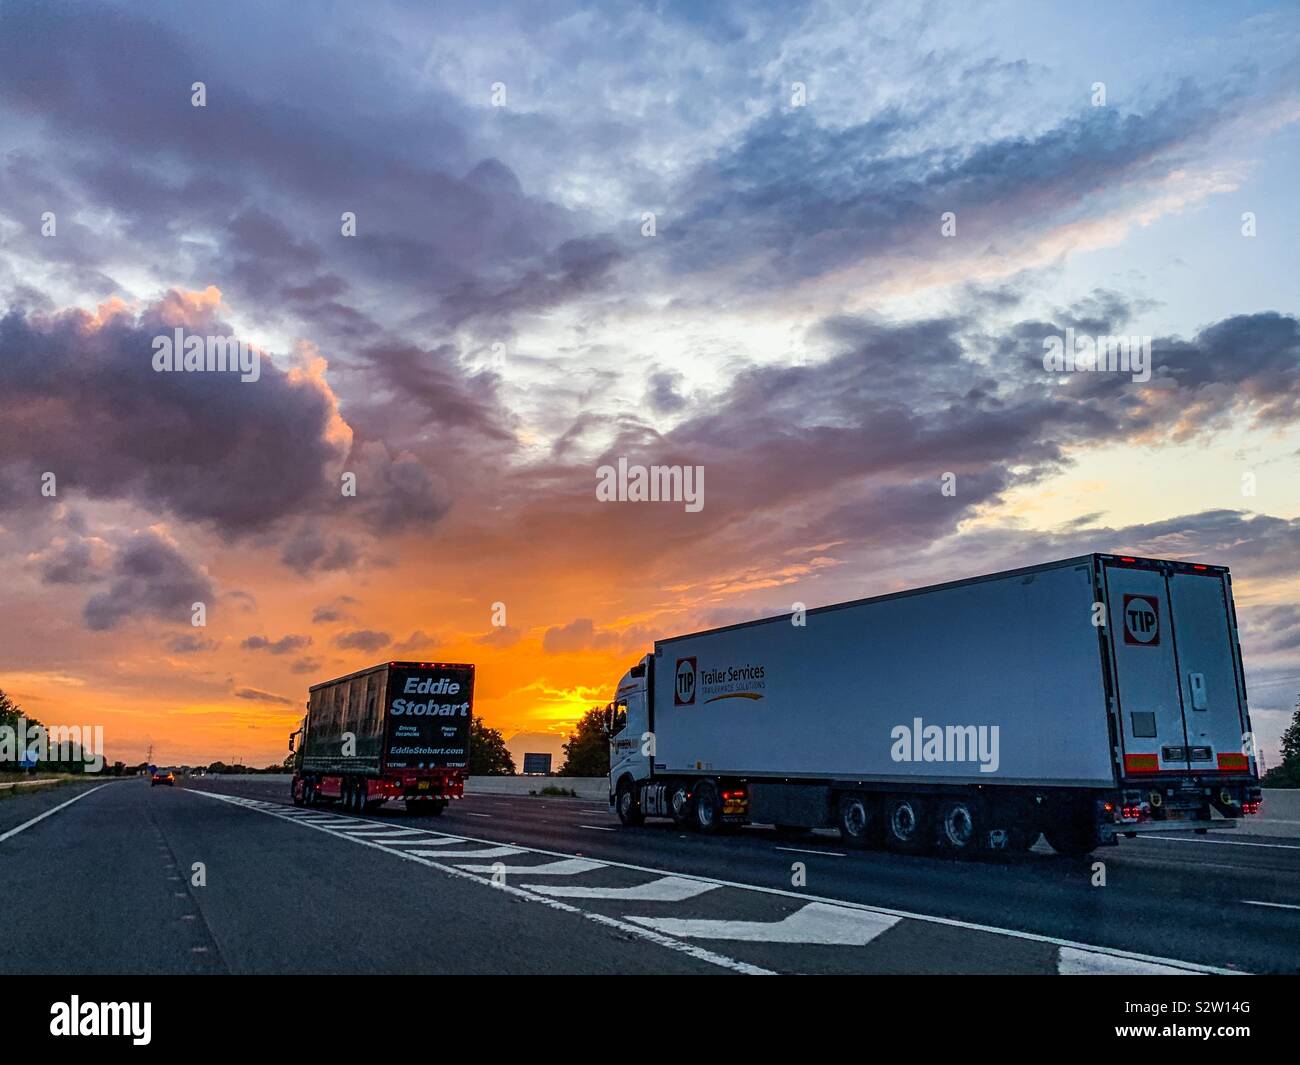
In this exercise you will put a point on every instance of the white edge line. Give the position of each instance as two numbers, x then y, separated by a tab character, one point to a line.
55	810
598	828
1276	905
800	850
1220	842
648	934
952	922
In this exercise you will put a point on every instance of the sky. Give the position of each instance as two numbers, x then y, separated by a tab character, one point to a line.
481	250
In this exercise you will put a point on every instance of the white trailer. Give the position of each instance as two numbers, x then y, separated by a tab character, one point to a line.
1081	699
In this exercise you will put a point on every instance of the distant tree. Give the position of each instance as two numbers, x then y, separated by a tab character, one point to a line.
1287	775
218	767
587	752
488	756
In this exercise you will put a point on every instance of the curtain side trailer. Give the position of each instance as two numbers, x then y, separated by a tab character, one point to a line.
1082	699
398	730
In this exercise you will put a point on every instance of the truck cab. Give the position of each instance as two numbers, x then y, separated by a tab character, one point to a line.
627	722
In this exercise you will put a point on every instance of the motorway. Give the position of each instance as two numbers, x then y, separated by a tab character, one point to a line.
101	878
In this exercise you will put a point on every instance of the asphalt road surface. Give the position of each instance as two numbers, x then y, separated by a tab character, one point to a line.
220	875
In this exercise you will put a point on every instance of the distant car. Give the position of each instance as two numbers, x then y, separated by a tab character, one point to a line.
162	776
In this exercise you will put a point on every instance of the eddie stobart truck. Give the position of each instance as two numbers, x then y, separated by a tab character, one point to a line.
1079	699
398	730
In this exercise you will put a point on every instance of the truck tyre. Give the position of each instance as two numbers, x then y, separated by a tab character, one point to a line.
308	794
680	805
707	808
859	821
906	824
960	827
1071	840
295	792
629	812
359	797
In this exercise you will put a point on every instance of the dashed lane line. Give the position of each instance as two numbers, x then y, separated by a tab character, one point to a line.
817	923
665	889
1031	937
649	935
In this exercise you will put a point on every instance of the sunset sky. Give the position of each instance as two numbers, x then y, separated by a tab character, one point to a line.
501	325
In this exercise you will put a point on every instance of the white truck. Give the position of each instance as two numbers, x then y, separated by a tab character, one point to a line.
1080	699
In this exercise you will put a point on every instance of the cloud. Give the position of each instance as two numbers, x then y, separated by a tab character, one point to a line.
150	578
77	391
256	695
284	645
333	611
362	640
581	634
190	643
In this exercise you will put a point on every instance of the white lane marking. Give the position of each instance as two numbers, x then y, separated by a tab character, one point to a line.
599	828
1072	962
428	841
950	922
1276	905
569	867
48	813
649	935
665	889
800	850
815	923
1219	842
470	813
482	852
383	831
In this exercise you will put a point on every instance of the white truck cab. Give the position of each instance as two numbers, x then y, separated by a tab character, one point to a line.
628	725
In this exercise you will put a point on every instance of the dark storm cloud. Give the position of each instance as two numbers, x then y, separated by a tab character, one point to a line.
150	578
795	199
432	222
82	400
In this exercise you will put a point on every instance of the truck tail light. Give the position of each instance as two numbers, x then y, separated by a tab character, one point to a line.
1250	807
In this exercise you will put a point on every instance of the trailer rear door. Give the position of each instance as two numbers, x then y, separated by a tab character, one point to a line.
1176	674
1213	711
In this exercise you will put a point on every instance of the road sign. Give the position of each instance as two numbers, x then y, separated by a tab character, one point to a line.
537	763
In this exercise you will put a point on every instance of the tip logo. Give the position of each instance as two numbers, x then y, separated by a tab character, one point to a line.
1141	620
684	693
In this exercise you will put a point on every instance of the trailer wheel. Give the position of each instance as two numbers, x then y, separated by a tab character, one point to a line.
360	797
706	809
1071	840
625	802
308	794
906	824
858	821
295	792
959	827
